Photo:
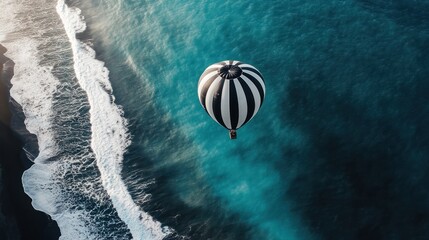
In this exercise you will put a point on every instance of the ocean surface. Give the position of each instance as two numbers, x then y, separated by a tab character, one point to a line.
339	149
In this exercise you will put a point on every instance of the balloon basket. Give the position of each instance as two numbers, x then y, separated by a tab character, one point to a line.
232	134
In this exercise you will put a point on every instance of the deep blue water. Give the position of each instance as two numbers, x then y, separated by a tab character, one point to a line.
339	149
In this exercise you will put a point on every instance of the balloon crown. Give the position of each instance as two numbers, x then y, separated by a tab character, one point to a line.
230	71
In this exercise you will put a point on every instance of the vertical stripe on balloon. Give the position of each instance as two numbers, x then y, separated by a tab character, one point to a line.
217	98
233	105
231	92
255	93
205	87
209	97
252	70
242	103
257	83
225	105
250	99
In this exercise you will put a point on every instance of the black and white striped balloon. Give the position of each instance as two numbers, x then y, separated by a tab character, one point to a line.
231	92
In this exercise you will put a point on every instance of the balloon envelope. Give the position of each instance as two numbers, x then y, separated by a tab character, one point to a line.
231	92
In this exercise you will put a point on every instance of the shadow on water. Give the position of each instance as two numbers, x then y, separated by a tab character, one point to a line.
365	175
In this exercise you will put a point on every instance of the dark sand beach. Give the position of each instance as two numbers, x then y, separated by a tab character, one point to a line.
18	219
4	95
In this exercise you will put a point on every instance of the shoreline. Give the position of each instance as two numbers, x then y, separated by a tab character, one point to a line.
18	218
5	114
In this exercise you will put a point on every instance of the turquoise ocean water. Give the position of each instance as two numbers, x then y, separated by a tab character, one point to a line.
338	150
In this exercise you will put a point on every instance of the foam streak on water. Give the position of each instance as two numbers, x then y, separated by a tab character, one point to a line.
109	132
33	88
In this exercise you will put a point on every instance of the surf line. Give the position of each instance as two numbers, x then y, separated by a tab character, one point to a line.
110	137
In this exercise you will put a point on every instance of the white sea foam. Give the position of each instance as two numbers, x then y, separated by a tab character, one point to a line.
109	132
33	88
7	13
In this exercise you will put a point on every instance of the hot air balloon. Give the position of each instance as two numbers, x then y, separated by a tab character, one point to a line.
231	92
